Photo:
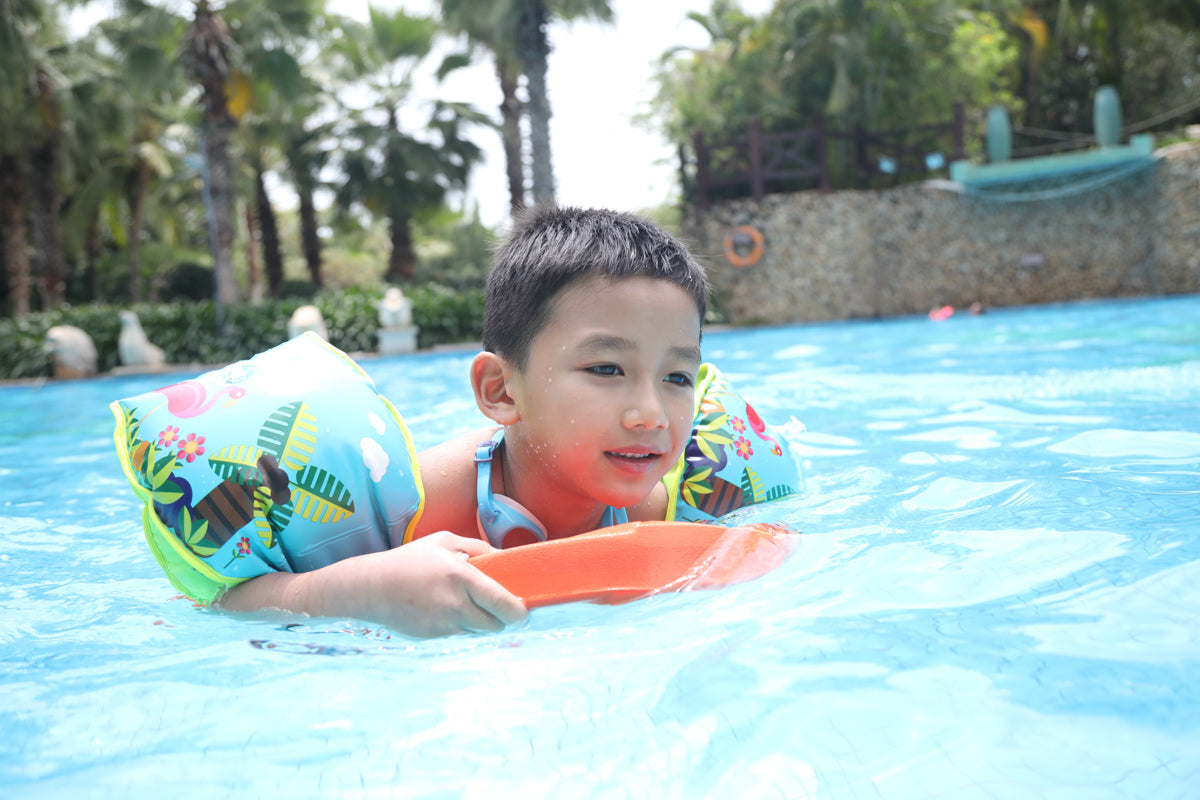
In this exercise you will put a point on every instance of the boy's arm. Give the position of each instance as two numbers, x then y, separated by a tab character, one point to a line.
425	588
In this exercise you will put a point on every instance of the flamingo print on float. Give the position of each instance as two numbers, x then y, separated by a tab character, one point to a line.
190	398
760	429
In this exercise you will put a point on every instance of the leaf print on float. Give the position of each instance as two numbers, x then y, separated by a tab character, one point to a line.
268	483
710	483
260	474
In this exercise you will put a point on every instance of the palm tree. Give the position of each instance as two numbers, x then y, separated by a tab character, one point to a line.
306	158
208	53
388	171
265	67
46	159
127	143
520	28
21	25
484	27
533	48
276	97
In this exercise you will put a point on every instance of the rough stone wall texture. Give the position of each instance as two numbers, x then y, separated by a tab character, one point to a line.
906	250
1177	220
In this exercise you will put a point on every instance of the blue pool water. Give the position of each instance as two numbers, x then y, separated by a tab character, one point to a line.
995	596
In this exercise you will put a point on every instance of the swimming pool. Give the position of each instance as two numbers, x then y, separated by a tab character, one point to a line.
996	596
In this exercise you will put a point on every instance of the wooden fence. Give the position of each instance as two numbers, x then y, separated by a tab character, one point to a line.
758	163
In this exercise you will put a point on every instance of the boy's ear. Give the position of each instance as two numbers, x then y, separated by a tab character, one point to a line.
489	380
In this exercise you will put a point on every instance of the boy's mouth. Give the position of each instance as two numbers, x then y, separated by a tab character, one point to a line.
636	460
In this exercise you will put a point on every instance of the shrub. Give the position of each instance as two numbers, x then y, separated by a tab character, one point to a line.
189	332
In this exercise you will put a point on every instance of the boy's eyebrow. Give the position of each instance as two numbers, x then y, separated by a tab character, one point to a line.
604	341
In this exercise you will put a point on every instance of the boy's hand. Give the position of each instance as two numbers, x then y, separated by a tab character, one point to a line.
425	588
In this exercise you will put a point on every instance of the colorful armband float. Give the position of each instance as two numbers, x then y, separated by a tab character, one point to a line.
630	561
733	459
287	462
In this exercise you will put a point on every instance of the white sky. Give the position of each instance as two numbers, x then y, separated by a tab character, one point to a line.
599	79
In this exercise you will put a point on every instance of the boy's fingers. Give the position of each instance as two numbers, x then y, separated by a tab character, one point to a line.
493	599
471	547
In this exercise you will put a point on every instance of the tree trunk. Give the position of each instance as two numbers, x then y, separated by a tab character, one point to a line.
91	254
135	232
269	230
535	50
49	260
252	255
220	192
310	239
510	133
12	223
402	261
303	168
206	49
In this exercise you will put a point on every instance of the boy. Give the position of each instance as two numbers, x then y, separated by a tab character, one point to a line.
590	367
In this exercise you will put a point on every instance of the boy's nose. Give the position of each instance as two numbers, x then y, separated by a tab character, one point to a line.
646	410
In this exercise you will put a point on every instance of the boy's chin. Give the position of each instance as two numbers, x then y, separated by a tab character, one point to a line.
629	499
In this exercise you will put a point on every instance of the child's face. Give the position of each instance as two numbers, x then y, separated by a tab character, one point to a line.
606	397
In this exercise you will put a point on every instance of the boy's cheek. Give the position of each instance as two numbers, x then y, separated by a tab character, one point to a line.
683	434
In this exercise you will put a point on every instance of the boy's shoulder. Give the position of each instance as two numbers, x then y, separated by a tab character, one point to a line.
448	480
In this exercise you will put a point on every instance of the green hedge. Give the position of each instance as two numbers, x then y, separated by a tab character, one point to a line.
188	332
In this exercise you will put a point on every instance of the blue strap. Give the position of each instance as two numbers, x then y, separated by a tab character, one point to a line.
489	511
484	452
613	516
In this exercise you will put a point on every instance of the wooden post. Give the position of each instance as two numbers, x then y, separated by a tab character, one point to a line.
757	179
960	149
862	170
822	139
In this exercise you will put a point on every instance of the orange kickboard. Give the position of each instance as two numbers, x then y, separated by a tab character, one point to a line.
636	559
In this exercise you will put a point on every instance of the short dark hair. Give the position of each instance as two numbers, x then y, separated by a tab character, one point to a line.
551	248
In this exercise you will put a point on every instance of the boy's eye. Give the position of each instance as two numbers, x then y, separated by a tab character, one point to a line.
680	379
604	369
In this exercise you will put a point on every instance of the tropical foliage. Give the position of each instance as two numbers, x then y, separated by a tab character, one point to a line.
160	137
515	32
887	64
143	155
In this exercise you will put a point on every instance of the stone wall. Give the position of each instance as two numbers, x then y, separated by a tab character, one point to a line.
906	250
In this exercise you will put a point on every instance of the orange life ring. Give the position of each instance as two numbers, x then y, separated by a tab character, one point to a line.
756	249
637	559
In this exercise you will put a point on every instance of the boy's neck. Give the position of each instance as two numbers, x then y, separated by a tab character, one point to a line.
561	520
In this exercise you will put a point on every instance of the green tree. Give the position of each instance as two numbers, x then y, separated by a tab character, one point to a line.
532	18
483	25
273	96
125	147
517	30
870	63
306	157
236	71
1148	49
25	28
387	170
208	53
